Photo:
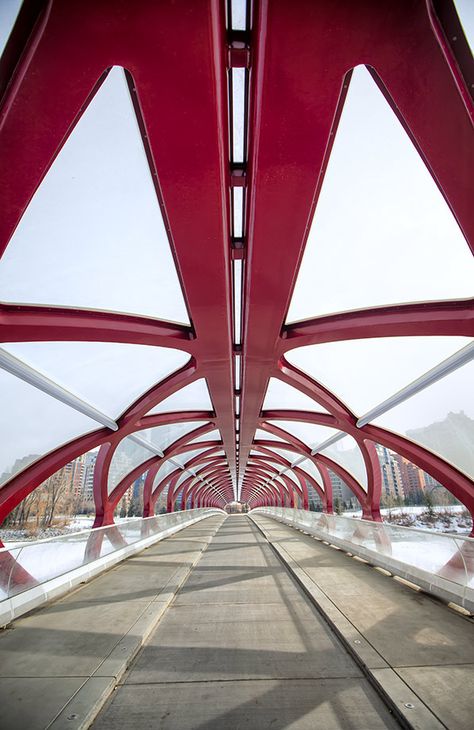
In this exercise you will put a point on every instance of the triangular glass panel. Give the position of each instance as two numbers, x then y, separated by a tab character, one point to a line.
8	15
289	455
162	437
93	235
127	457
281	395
440	418
363	373
347	454
310	434
465	11
32	424
261	434
193	397
310	468
382	232
210	436
183	458
108	375
164	471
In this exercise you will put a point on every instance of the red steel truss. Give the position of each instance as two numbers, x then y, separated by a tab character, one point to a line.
299	55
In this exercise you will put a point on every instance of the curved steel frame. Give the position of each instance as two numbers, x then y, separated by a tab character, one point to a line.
405	48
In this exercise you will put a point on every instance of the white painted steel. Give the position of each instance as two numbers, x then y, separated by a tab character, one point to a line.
21	370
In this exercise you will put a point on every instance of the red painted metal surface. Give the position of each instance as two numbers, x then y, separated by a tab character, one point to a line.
300	57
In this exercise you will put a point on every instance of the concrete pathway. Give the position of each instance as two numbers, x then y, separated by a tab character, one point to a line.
233	624
397	632
241	646
58	664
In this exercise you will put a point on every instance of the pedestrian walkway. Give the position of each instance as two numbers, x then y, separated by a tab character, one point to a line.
241	646
396	630
58	664
239	622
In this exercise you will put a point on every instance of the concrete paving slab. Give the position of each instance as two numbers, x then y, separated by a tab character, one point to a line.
447	690
230	613
34	702
47	658
238	586
295	648
421	640
65	640
81	710
254	627
408	628
331	704
137	582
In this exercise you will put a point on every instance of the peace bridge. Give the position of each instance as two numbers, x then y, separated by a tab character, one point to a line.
236	264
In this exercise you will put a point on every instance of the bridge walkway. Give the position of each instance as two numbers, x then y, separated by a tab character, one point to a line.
242	646
405	638
239	623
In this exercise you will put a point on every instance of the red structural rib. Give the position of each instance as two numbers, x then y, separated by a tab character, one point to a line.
301	60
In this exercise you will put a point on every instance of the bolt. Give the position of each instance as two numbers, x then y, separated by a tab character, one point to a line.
73	716
409	706
357	641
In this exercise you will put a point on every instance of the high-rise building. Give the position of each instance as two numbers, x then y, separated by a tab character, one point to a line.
73	474
88	480
314	500
341	492
392	480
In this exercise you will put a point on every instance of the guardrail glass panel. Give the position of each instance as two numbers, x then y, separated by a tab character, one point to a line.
437	555
32	564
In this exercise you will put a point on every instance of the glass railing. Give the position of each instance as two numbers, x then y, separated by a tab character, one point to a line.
443	561
34	563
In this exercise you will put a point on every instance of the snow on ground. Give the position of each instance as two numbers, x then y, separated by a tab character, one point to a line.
452	519
12	537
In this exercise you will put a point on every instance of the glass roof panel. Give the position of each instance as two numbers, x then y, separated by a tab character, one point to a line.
267	460
93	235
187	455
164	436
281	395
165	470
465	11
193	397
441	418
9	10
108	375
238	114
310	434
127	456
182	477
261	434
238	13
291	475
346	453
289	455
210	436
363	373
32	424
382	232
310	468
